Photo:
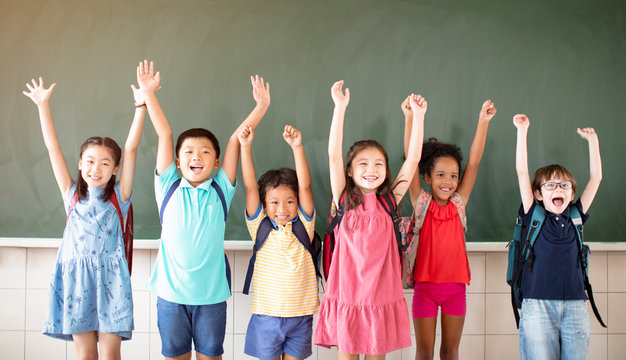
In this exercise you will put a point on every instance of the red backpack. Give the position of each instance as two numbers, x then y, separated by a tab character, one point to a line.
328	248
126	230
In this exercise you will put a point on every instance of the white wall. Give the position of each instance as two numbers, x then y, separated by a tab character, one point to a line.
489	331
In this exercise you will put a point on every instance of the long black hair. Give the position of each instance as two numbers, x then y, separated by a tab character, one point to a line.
81	185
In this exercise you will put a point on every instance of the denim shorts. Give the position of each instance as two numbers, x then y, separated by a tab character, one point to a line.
268	337
179	325
554	329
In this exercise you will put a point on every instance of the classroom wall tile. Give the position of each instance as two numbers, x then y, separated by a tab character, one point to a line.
141	311
617	313
242	259
472	347
154	327
12	311
228	347
394	355
327	354
238	347
475	315
36	309
499	317
12	344
616	347
616	271
409	352
136	348
241	305
39	267
598	347
496	264
230	316
12	268
598	271
39	346
141	269
155	346
478	269
498	347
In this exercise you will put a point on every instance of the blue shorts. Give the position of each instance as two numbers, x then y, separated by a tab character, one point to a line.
179	325
268	337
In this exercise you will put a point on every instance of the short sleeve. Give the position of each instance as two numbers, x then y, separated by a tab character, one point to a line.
163	182
227	188
579	206
309	223
253	222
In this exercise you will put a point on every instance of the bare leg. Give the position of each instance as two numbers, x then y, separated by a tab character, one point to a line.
186	356
204	357
110	346
346	356
86	345
375	357
288	357
425	337
451	330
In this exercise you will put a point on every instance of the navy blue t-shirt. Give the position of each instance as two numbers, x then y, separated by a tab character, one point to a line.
556	273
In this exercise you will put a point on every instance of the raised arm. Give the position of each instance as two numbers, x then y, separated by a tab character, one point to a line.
335	140
595	167
127	173
415	186
245	138
522	123
261	94
41	96
413	151
487	112
149	82
293	137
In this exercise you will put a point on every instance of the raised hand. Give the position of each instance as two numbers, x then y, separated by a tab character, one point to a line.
487	111
339	97
587	133
292	136
521	121
406	108
38	93
418	104
146	78
245	136
260	90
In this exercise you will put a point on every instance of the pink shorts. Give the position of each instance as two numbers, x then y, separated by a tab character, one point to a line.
428	297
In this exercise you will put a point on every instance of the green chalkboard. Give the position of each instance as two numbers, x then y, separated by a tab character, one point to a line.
560	62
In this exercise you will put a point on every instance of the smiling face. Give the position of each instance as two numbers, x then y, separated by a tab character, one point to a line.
97	166
368	169
557	200
443	179
281	204
197	159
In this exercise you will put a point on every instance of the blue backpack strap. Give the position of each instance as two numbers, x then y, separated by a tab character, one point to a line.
167	198
265	227
220	193
537	218
302	235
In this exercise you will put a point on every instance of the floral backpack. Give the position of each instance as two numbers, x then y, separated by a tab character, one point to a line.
410	231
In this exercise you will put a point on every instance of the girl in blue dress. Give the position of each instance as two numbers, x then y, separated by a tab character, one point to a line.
90	297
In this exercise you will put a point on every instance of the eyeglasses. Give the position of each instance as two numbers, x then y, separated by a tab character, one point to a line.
551	186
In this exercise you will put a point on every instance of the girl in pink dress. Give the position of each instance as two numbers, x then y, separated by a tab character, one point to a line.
363	310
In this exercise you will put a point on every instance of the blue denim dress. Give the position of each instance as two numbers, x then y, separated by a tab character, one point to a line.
90	286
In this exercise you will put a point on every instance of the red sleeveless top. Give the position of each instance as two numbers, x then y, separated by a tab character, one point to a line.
441	255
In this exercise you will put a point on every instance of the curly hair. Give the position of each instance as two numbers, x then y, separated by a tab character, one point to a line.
432	150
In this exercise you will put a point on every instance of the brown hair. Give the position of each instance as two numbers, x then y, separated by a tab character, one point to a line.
353	194
545	173
81	185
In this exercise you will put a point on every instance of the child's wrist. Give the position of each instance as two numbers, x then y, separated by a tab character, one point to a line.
138	105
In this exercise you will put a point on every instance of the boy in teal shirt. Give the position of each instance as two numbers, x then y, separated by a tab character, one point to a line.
189	275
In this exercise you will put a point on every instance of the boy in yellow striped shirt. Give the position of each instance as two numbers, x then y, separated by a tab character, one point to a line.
284	281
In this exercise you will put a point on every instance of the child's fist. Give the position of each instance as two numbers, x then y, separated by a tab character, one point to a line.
260	90
587	133
339	97
37	92
245	136
418	104
292	136
521	121
488	110
406	108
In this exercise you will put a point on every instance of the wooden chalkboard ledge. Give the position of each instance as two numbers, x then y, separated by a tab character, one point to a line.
247	244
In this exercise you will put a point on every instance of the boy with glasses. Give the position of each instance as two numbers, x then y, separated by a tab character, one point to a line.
554	322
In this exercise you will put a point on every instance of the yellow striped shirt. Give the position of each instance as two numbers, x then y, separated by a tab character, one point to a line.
284	282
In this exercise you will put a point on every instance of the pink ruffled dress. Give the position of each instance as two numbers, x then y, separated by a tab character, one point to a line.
363	310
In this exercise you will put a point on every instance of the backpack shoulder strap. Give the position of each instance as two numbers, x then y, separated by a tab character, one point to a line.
336	214
220	193
127	230
167	198
388	202
421	206
263	231
460	206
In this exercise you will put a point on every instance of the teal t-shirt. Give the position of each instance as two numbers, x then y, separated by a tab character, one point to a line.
190	267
